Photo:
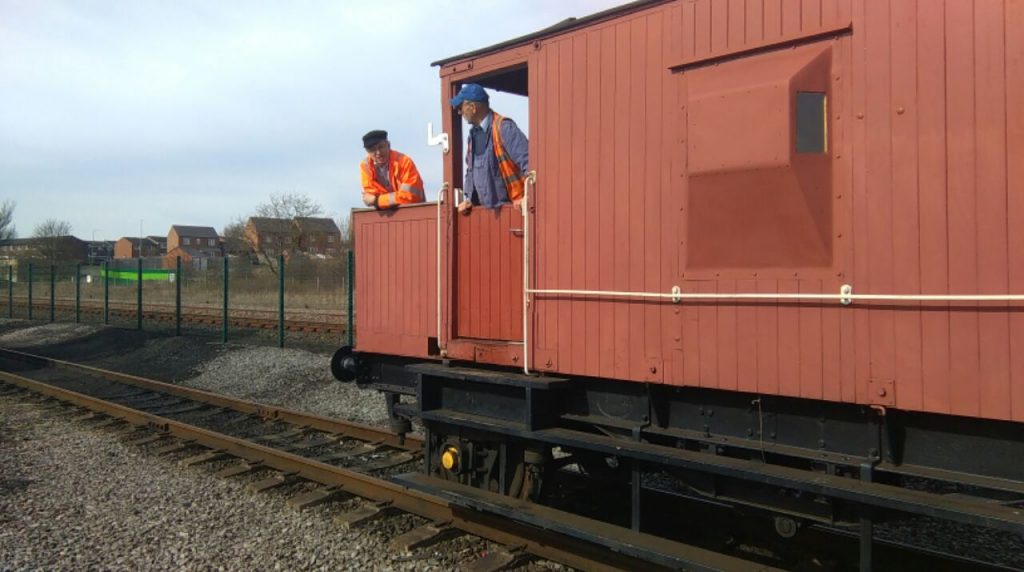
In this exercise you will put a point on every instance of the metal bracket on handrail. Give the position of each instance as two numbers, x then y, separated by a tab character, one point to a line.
845	291
439	139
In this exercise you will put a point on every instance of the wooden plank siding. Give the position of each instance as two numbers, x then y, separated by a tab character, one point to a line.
926	192
923	211
634	130
489	275
396	279
916	94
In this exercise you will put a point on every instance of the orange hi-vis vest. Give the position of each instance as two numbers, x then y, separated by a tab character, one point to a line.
406	183
508	168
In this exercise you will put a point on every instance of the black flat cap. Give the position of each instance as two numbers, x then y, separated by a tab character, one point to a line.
374	137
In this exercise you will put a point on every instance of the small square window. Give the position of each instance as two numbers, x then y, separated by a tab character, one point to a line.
186	241
811	122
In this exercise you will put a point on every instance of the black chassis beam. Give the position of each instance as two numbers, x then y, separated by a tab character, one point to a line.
387	373
546	410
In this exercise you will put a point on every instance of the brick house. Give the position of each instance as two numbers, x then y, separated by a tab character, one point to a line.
270	236
317	236
190	258
44	250
130	246
13	248
198	239
100	251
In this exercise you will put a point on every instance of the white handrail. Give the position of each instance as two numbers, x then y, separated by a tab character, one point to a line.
440	200
531	179
845	296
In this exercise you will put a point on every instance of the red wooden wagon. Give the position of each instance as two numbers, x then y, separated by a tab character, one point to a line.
782	231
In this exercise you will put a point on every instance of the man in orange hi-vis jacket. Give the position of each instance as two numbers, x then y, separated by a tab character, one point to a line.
389	177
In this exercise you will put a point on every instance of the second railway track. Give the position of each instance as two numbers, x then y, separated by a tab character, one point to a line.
242	318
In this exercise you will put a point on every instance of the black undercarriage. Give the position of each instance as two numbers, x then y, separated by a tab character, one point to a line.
789	465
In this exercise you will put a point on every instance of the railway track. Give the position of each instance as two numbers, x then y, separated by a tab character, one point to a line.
241	318
338	460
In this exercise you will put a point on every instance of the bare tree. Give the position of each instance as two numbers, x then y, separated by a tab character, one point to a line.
234	229
51	240
52	227
284	206
234	238
289	205
7	229
344	223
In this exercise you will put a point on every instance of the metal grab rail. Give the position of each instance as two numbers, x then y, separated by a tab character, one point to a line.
530	181
845	296
440	200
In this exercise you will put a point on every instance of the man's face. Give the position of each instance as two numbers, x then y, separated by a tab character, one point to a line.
379	152
468	111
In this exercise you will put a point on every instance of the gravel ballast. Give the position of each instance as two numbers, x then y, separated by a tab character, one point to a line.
76	498
297	379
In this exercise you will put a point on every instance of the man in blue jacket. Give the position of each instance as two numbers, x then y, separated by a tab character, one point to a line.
497	157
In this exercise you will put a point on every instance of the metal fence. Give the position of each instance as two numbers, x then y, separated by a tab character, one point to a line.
233	297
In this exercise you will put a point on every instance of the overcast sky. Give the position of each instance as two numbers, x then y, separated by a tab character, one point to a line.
193	112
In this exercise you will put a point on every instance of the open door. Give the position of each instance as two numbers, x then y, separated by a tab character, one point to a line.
485	308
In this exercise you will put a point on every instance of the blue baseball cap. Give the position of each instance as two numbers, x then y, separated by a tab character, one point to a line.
470	92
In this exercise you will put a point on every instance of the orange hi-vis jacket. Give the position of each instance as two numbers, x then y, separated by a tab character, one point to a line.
405	181
508	168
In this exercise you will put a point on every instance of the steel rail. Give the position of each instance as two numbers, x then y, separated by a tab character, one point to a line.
349	428
236	321
238	317
68	303
542	543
